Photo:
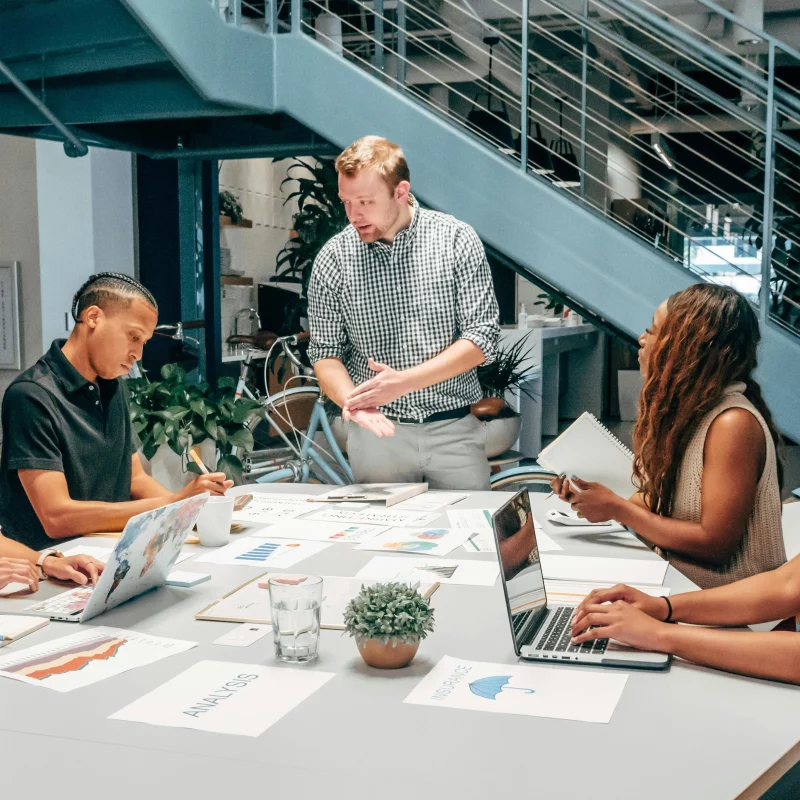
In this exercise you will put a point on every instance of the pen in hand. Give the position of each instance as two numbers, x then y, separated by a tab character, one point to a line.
561	478
197	460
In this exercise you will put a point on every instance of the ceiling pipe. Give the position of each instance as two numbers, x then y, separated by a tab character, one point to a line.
73	146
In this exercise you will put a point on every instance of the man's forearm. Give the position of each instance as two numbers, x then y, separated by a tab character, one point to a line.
462	356
334	379
144	487
78	517
11	549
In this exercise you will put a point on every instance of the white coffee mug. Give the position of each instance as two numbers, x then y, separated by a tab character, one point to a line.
214	522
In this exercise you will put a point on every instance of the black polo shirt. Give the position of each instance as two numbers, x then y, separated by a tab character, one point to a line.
54	419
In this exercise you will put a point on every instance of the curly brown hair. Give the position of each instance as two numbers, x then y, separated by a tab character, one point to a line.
708	341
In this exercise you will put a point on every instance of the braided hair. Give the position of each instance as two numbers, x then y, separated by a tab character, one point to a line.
106	288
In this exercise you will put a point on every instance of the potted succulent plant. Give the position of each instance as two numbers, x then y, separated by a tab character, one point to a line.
388	621
507	373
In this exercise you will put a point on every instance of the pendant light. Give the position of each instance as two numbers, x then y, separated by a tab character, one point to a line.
496	125
539	156
566	173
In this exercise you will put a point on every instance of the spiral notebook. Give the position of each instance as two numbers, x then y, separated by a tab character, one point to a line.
590	451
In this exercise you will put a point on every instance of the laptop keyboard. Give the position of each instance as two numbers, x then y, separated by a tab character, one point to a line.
557	635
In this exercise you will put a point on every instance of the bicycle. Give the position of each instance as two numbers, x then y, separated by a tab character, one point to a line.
297	461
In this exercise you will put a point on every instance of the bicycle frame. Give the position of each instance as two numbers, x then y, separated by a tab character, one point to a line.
307	454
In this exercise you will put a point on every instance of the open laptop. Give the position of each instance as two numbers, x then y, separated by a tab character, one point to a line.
542	632
143	558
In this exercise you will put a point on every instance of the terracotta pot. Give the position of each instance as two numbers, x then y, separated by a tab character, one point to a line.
488	407
387	656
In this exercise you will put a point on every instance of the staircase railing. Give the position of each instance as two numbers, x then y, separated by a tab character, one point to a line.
670	128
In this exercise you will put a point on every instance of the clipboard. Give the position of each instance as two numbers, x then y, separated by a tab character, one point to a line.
252	604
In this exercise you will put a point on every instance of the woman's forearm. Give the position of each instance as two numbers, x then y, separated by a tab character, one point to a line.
774	655
678	536
761	598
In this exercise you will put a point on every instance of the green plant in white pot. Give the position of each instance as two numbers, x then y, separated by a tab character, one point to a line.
507	374
388	621
170	415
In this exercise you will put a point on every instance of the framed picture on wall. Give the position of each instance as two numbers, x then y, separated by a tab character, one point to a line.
10	345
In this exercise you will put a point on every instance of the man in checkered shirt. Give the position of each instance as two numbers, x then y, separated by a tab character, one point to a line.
402	310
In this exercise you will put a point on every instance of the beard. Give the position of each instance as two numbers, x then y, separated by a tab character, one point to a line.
377	232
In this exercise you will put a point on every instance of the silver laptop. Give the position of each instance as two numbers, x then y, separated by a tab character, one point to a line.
542	632
143	558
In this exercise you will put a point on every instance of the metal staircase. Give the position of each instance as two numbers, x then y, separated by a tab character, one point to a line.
675	150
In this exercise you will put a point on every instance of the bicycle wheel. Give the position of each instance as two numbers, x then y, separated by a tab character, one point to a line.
290	411
534	479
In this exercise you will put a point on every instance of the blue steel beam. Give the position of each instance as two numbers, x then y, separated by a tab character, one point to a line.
140	53
45	28
121	100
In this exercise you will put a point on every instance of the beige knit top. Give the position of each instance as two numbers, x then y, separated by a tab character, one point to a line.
761	548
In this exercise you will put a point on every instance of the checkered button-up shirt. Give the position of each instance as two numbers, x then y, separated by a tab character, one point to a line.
404	303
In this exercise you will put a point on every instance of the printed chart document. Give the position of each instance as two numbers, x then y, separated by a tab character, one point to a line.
472	519
250	602
429	501
225	697
430	541
584	696
320	531
266	508
373	515
13	628
566	593
87	657
596	569
386	494
590	451
463	572
257	552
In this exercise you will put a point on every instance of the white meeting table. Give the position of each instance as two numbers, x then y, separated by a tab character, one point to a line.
689	733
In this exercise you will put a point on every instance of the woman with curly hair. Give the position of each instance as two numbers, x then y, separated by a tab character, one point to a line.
705	446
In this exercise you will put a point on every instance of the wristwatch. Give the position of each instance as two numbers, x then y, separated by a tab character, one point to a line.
46	554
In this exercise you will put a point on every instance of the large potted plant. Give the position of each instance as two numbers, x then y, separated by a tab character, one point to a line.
171	415
507	373
320	216
388	621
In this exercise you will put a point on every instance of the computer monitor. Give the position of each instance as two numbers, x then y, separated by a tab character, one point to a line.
277	309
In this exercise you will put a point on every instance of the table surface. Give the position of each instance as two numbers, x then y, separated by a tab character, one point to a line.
690	732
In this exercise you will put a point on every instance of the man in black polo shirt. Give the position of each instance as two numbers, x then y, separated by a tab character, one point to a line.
69	465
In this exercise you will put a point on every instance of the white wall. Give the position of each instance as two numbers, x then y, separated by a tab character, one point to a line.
112	211
19	240
85	225
257	184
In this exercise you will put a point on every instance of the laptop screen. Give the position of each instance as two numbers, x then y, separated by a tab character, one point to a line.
520	570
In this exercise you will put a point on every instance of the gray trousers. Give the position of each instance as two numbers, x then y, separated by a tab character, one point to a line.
447	455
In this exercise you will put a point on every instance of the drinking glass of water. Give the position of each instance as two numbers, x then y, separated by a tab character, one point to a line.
295	601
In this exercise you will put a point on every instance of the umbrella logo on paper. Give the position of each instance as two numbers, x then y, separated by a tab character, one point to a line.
494	685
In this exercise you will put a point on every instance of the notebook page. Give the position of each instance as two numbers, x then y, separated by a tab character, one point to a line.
590	451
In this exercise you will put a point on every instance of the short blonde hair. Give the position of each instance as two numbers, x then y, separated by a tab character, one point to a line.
375	152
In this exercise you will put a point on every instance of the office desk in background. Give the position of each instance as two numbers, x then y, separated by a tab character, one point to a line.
687	734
